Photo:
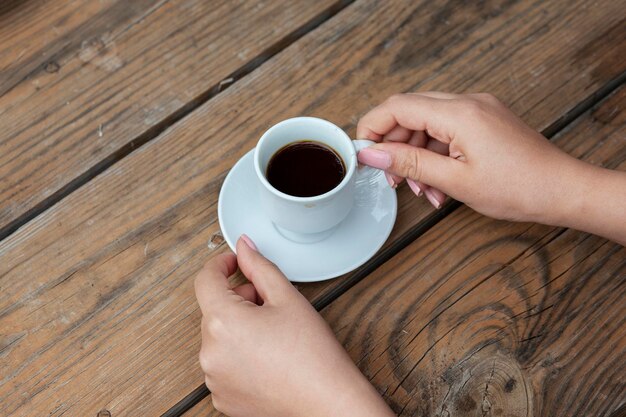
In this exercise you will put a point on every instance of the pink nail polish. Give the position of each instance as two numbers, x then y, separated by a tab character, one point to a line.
431	197
249	242
414	187
374	158
390	180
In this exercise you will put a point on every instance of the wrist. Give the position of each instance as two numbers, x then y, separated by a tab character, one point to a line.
355	396
555	191
569	194
591	199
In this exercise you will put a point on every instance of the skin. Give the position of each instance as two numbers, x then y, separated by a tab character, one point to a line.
267	352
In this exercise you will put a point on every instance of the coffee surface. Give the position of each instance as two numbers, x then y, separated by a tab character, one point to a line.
305	169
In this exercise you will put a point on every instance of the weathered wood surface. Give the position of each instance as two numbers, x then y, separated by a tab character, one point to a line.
97	298
513	320
84	82
486	318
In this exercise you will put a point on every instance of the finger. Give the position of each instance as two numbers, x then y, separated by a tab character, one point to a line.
435	196
418	138
211	283
436	94
411	111
206	338
415	187
270	283
397	134
203	330
437	146
392	180
418	164
204	351
485	98
247	292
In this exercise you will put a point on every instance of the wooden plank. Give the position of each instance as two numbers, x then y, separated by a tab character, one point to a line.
96	294
426	291
84	82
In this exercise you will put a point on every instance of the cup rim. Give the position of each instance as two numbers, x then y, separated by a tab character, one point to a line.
350	165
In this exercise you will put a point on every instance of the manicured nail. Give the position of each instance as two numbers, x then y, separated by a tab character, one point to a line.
374	158
414	187
249	242
390	180
431	197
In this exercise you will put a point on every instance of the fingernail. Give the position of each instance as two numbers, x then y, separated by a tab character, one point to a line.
249	242
414	187
390	180
374	158
431	197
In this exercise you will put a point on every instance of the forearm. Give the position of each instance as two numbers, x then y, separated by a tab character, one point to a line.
594	201
367	403
349	393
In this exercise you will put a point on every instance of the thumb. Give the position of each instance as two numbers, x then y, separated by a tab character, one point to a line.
270	283
418	164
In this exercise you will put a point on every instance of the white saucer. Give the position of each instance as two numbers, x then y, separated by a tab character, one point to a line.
350	245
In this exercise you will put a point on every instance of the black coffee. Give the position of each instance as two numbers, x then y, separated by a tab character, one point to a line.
305	169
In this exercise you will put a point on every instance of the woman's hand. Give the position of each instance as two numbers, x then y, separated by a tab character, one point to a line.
476	150
267	352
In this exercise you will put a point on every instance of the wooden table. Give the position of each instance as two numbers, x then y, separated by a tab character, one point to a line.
119	121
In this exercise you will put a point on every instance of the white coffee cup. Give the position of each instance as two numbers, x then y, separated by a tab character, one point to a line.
307	219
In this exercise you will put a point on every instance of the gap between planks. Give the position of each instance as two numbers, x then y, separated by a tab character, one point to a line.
552	130
154	131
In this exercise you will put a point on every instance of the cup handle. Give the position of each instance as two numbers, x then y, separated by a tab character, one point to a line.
367	178
360	144
365	174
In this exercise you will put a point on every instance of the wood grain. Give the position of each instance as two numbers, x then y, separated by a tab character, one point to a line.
487	318
82	83
97	305
493	319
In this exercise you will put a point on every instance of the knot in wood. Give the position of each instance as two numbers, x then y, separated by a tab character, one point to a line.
51	67
216	241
